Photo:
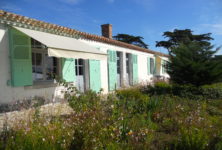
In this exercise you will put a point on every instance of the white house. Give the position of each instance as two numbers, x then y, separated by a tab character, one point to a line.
33	53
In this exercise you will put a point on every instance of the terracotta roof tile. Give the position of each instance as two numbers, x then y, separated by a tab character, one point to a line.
36	23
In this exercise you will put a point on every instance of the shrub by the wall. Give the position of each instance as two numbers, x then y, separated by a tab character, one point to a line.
213	91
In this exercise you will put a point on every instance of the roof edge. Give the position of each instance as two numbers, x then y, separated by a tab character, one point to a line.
61	30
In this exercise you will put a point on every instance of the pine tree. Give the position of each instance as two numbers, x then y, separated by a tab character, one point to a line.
131	39
194	63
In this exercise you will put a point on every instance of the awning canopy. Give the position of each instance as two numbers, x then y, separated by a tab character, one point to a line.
61	46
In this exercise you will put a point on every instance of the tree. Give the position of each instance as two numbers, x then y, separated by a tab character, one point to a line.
177	37
192	58
135	40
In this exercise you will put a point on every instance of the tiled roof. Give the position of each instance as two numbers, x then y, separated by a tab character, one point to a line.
14	18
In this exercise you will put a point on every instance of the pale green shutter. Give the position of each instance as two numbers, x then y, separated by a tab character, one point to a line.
20	58
95	75
112	72
135	69
148	65
68	69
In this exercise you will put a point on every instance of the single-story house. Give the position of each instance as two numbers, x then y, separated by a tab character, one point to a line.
33	53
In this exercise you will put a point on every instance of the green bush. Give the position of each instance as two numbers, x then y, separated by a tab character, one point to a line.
83	101
132	100
192	139
159	88
187	91
213	91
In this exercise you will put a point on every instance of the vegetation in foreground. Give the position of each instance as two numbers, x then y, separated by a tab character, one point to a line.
132	118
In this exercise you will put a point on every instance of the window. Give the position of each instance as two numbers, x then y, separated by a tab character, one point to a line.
44	68
127	63
79	66
37	44
37	66
152	66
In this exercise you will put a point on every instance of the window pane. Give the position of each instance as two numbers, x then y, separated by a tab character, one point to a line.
80	61
37	67
38	59
80	70
33	58
51	66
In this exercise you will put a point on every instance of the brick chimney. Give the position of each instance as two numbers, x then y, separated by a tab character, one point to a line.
107	30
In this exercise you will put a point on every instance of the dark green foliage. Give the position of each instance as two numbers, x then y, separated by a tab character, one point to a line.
192	58
194	64
186	36
135	40
209	92
160	88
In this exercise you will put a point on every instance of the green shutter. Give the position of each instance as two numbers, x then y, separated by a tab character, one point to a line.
135	69
20	58
148	65
112	72
68	69
95	75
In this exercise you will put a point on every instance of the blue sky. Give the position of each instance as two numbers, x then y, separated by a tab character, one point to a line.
146	18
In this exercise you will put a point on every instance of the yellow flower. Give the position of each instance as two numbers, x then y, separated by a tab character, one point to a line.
130	132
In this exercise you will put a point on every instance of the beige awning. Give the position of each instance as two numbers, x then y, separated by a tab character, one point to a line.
66	47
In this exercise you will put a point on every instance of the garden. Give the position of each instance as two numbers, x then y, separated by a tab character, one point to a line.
143	117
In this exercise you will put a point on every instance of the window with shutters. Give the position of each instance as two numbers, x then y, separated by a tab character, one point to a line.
44	68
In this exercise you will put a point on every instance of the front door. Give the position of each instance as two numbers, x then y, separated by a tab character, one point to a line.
79	67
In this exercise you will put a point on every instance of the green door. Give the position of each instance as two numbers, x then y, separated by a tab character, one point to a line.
20	58
68	69
94	75
112	72
135	69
